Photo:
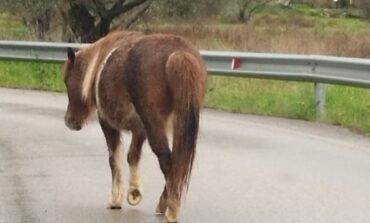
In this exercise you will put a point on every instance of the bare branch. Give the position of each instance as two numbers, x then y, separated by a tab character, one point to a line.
118	9
257	6
100	7
126	23
248	7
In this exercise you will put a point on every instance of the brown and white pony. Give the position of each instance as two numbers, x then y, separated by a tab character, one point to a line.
140	83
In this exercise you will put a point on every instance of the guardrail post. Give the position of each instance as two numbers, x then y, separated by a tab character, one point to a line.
320	98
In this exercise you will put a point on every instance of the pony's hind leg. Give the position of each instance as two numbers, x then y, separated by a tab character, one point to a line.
162	205
112	137
135	192
158	141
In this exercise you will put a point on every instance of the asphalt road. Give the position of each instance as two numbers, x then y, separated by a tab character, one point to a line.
248	169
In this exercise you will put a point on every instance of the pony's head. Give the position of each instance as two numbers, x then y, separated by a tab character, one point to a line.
79	108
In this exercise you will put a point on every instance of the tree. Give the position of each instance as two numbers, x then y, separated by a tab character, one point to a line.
187	9
248	7
80	20
88	20
36	14
243	10
177	8
364	6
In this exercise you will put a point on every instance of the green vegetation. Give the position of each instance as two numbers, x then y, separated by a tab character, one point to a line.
347	106
31	75
11	27
313	19
258	96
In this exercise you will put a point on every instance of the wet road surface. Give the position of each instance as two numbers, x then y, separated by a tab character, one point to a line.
248	169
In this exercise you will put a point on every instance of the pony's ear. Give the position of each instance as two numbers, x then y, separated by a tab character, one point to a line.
71	55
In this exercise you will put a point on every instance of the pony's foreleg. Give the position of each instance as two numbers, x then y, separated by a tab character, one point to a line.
135	192
112	137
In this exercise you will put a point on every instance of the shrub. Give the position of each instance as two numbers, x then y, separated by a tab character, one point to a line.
364	5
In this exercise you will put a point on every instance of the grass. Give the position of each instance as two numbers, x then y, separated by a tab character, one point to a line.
283	35
319	18
264	97
31	75
11	27
347	106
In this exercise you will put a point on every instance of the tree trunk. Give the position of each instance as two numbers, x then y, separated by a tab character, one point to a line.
241	15
82	23
88	22
42	25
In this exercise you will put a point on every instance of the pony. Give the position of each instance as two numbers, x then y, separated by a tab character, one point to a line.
140	83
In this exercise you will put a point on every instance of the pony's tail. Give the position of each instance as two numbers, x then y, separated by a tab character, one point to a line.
187	79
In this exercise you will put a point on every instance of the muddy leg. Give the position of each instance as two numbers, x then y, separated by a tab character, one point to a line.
135	192
112	137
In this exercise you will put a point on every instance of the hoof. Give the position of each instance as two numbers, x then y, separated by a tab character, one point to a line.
116	202
161	207
172	214
160	210
170	219
134	196
112	205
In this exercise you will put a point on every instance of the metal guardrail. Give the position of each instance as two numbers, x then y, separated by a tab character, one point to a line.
30	50
313	68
